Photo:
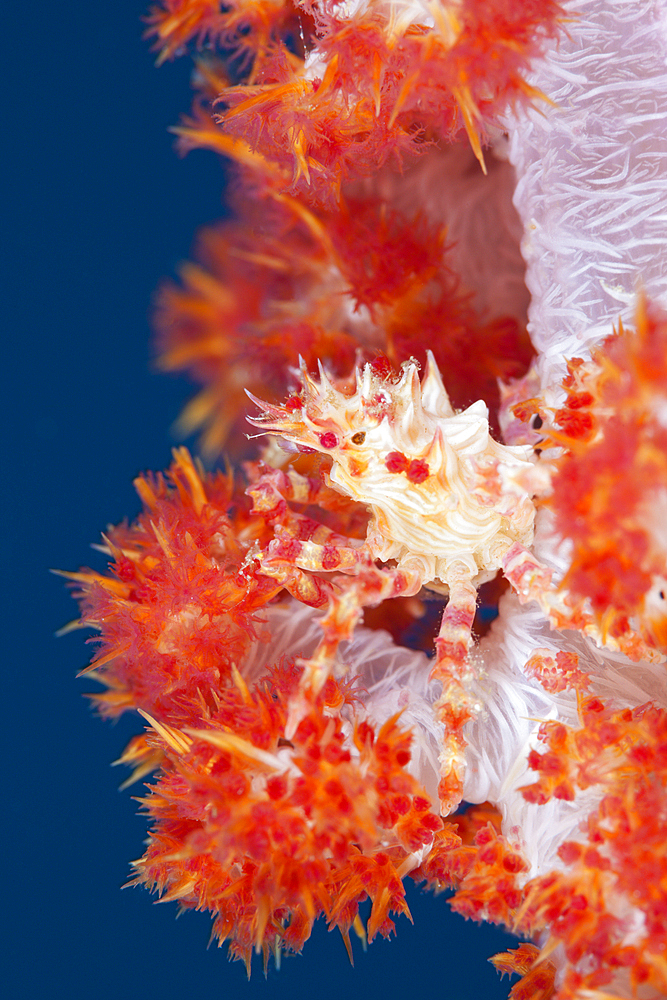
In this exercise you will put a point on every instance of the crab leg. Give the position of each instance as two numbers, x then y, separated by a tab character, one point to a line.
452	668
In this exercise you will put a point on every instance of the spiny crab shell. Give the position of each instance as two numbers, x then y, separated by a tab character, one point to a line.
444	496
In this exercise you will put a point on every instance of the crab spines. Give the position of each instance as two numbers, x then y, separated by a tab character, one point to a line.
325	386
315	418
410	400
434	396
305	417
322	415
275	419
363	382
407	412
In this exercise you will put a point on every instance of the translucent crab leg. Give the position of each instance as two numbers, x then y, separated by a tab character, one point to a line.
452	668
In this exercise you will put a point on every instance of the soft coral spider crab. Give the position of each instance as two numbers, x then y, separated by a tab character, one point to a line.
449	505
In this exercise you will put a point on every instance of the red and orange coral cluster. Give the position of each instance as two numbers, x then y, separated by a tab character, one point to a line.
270	833
331	93
609	488
174	614
606	906
267	826
340	265
286	282
263	621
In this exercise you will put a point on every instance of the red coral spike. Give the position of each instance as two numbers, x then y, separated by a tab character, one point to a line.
491	887
557	673
247	30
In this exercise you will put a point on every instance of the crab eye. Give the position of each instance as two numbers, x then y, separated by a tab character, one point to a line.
359	437
328	440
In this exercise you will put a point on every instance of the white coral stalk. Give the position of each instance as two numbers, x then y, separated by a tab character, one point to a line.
514	705
592	178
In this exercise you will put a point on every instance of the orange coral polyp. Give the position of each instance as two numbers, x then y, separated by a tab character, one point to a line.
614	882
371	87
178	617
266	824
615	466
248	29
286	830
276	287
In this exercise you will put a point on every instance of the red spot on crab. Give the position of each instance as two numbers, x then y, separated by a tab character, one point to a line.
378	406
576	424
293	403
286	548
577	400
418	471
396	462
328	439
382	368
330	558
